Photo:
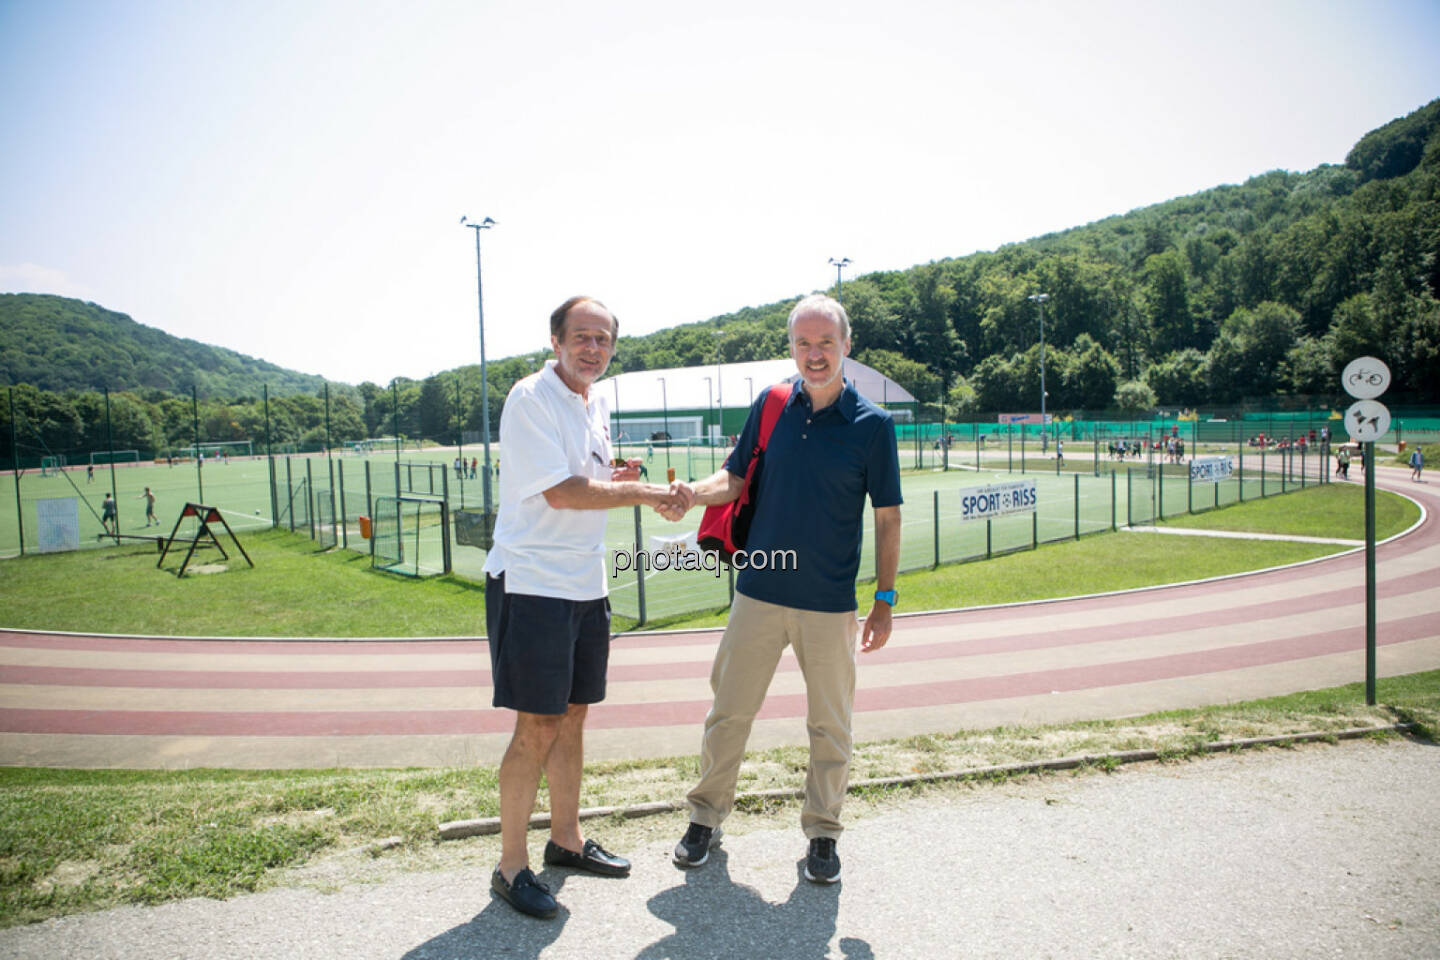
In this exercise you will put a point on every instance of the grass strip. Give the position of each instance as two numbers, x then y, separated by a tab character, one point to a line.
84	840
296	590
1329	510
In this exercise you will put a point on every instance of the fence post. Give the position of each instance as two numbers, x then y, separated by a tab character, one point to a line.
344	519
936	515
975	433
290	494
310	495
1077	506
988	521
1112	500
1160	485
15	471
1190	492
445	535
1262	472
330	465
369	503
1035	530
1129	500
270	458
445	517
639	574
1240	446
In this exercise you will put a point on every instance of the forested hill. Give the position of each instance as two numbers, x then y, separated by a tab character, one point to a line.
1258	291
1254	293
56	343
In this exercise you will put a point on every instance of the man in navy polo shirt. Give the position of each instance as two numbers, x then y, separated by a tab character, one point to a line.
796	582
547	615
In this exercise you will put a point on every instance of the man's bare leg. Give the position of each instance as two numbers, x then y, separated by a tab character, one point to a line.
563	771
535	735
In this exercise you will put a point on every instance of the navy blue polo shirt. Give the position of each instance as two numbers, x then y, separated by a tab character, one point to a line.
814	477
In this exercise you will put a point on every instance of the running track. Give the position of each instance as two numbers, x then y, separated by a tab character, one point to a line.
101	701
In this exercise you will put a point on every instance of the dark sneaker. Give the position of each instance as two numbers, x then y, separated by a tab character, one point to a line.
694	848
592	857
525	893
823	863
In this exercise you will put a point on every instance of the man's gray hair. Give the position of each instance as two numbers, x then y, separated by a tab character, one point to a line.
824	304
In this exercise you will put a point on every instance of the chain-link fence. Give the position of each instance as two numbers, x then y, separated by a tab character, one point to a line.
1098	476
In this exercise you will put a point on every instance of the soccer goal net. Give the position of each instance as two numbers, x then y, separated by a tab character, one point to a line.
410	535
98	457
52	466
213	451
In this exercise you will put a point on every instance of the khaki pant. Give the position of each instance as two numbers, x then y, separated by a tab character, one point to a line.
824	645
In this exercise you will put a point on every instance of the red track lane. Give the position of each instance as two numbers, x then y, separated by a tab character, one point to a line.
606	716
1397	589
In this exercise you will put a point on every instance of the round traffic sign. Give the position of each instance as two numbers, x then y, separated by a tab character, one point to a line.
1367	421
1365	378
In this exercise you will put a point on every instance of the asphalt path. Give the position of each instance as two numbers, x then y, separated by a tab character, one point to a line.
1320	851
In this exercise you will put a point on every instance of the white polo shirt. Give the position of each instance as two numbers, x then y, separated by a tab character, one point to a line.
549	433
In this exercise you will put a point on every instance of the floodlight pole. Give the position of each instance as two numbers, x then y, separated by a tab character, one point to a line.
485	224
615	382
719	394
665	405
710	402
840	265
1039	300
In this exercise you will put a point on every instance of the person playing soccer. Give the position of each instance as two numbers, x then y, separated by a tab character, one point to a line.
149	499
109	517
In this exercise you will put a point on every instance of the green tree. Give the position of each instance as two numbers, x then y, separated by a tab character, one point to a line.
1134	396
1179	378
910	374
437	409
1091	375
1167	303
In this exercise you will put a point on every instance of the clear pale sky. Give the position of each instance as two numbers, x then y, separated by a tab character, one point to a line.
287	179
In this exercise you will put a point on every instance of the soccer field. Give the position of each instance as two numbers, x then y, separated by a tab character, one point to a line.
1067	504
239	488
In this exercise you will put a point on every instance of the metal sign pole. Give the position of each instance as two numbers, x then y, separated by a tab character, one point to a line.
1370	573
1367	420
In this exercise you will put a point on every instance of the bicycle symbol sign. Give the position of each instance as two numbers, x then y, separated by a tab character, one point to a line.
1365	378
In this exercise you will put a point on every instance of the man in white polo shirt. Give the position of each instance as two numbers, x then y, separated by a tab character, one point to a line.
547	615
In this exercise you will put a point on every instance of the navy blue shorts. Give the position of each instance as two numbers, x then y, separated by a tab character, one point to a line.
545	653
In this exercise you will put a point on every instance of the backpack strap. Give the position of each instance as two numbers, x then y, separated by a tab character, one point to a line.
770	413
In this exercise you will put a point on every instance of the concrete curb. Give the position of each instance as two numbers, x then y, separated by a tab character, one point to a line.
460	829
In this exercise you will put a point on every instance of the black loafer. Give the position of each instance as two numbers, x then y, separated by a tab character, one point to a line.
525	893
594	858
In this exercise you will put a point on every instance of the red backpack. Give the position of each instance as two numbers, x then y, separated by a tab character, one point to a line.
725	527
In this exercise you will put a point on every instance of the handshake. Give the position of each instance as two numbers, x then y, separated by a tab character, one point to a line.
673	503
